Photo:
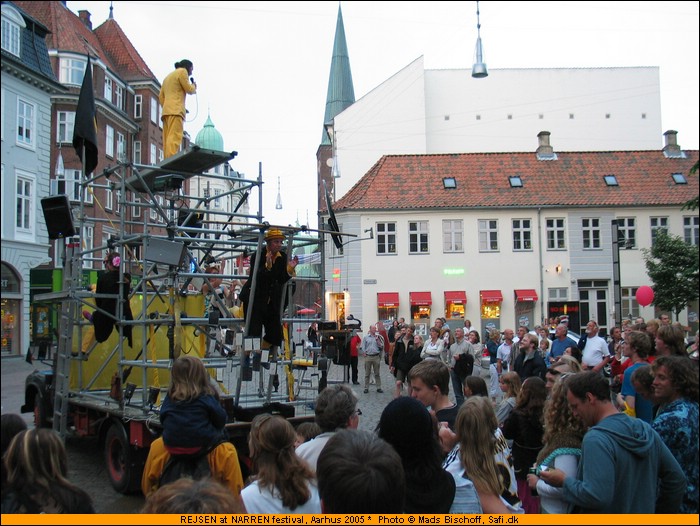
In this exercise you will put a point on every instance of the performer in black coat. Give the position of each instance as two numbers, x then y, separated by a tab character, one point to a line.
273	273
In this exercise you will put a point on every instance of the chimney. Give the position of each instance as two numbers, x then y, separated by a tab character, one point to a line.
85	17
672	149
544	150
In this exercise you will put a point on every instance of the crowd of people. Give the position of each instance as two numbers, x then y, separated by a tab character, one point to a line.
561	434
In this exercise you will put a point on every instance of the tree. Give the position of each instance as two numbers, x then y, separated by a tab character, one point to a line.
672	266
694	203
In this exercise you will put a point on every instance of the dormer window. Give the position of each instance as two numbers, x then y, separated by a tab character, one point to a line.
610	180
12	25
449	182
679	179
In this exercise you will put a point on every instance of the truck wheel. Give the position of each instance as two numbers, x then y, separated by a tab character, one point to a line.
124	462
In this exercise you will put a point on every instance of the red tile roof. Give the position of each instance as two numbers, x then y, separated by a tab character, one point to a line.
574	179
124	56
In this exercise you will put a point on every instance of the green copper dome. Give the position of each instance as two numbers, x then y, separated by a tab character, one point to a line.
209	137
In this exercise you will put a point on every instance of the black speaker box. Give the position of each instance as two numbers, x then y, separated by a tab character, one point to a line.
166	252
58	216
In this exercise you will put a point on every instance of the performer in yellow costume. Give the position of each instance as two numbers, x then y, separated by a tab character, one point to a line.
172	97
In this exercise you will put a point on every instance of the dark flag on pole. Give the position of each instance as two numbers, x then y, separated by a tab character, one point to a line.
85	129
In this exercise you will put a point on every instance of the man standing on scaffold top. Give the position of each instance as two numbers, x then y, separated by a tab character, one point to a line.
172	95
270	282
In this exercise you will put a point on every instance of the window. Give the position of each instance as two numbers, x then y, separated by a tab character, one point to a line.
449	182
135	208
610	180
72	71
417	237
109	141
629	305
138	106
25	123
160	155
121	147
452	236
154	110
119	97
386	238
88	243
108	89
25	204
12	21
153	213
515	181
137	152
522	234
626	233
558	294
66	123
556	235
488	235
152	158
89	198
690	230
217	198
591	233
68	183
109	199
658	224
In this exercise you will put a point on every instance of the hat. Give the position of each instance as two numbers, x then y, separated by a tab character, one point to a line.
407	425
274	233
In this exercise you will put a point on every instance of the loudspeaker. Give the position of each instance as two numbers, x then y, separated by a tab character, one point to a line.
58	216
327	325
166	252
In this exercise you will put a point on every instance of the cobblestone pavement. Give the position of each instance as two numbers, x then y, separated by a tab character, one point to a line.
85	457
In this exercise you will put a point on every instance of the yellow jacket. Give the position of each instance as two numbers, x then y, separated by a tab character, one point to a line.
223	462
173	91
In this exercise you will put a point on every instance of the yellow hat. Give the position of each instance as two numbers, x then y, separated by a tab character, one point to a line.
274	233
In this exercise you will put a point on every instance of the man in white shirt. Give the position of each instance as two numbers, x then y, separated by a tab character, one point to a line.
595	353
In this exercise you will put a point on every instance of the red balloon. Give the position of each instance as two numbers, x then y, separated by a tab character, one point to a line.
645	295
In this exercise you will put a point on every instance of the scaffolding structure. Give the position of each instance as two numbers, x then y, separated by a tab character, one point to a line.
163	256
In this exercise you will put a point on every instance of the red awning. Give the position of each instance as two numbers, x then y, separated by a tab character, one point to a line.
420	298
388	299
455	296
491	296
525	295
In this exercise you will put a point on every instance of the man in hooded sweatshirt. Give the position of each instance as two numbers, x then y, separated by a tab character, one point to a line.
625	467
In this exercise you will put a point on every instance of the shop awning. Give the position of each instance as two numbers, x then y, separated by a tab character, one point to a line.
387	299
491	296
455	296
420	298
525	295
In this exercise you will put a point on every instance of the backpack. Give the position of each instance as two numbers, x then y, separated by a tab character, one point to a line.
195	466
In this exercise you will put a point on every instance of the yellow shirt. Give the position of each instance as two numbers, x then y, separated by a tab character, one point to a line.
173	91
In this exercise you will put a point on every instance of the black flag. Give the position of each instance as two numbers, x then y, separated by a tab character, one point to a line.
332	221
85	129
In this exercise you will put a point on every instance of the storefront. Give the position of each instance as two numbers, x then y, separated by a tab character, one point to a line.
490	310
11	311
525	308
387	306
420	311
455	306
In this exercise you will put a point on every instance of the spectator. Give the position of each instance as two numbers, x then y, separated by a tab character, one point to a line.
405	356
575	353
595	354
408	426
675	387
434	348
481	455
529	361
474	386
563	433
37	476
641	475
510	384
372	347
560	343
358	472
306	431
312	334
355	343
544	349
670	340
636	348
282	483
11	424
336	408
430	383
461	361
392	334
525	427
188	496
492	348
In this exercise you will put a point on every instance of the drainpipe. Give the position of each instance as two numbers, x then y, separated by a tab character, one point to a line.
539	236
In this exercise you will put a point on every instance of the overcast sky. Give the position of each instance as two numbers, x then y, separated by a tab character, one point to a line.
262	67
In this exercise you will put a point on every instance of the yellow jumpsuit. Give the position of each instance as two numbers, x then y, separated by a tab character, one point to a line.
172	95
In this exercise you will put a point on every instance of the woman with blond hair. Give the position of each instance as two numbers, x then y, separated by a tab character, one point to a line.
510	384
283	482
563	434
481	455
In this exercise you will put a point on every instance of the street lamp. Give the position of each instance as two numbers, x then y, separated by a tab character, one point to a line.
479	68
